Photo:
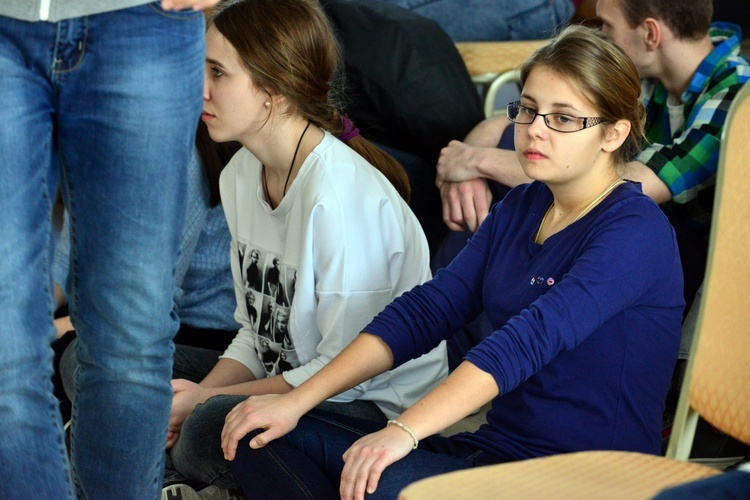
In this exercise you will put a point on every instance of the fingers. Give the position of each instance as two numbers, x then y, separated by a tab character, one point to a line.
172	437
466	200
452	211
187	4
180	384
241	421
368	457
482	202
361	473
465	204
231	434
265	437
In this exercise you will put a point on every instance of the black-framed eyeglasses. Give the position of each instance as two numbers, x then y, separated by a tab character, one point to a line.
560	122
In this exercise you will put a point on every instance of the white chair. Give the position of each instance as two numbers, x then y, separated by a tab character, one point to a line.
495	64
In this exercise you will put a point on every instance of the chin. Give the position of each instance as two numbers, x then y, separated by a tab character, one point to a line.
217	136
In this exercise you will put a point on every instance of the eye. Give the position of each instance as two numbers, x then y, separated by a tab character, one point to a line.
523	110
216	72
562	119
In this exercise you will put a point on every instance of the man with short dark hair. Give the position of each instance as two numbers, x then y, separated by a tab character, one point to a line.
691	71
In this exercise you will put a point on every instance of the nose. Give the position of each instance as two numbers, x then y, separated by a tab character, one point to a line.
537	125
206	91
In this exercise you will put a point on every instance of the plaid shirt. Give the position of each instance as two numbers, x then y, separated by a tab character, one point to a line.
686	159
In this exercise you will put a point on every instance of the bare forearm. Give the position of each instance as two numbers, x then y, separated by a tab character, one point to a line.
63	325
459	162
502	165
488	132
60	299
271	385
232	377
365	357
653	186
227	372
465	390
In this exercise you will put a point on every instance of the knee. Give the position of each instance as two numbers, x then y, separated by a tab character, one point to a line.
197	454
68	366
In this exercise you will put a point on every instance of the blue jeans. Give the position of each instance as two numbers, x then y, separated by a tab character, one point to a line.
190	363
734	485
107	105
491	20
307	462
197	455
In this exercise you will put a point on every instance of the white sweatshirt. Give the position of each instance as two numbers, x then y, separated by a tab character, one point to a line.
340	246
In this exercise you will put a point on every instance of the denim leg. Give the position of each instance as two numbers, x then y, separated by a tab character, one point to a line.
129	97
197	455
734	485
190	363
193	363
33	459
307	462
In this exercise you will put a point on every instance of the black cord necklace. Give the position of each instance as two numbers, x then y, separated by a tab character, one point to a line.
288	174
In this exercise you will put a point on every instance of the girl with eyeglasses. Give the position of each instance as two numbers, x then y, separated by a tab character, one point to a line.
579	275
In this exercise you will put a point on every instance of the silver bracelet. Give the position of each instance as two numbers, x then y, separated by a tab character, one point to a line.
413	436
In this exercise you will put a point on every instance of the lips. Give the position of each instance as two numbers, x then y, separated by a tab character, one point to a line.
206	116
533	154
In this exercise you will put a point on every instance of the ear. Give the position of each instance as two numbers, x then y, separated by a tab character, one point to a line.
652	33
615	135
278	101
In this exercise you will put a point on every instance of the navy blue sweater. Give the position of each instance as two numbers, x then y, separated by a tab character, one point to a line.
587	325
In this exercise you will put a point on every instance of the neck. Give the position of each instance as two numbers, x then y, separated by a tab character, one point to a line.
571	200
275	143
680	61
567	208
277	179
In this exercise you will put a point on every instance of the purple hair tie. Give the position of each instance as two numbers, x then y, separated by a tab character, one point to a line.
350	131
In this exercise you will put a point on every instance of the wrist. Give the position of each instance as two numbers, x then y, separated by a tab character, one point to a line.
303	399
205	393
407	430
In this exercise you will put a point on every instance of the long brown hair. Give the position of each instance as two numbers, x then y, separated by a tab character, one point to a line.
214	157
289	49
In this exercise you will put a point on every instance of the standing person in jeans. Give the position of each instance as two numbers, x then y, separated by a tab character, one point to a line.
102	98
491	20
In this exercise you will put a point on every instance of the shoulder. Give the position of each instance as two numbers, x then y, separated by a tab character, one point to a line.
336	171
239	165
731	75
524	197
632	210
725	66
237	180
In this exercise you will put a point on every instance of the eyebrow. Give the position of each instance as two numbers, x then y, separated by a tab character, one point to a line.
555	105
214	62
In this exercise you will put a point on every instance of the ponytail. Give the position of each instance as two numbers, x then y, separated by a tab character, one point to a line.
343	128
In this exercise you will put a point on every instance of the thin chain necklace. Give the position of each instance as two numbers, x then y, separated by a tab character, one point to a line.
585	210
289	172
